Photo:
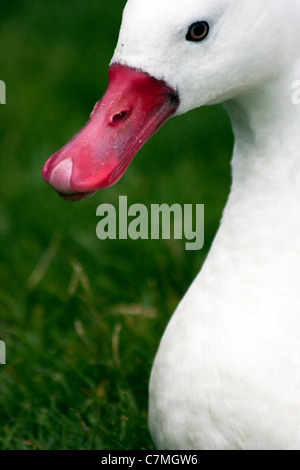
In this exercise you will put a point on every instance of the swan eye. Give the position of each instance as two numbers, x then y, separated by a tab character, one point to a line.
197	31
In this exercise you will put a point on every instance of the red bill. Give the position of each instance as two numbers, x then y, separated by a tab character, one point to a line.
133	108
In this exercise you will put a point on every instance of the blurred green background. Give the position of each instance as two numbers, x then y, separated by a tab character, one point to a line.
82	318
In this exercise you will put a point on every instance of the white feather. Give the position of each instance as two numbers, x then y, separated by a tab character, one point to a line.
227	372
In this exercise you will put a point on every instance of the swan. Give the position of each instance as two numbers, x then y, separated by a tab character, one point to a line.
227	371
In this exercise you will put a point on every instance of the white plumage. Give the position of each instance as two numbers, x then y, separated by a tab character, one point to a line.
227	372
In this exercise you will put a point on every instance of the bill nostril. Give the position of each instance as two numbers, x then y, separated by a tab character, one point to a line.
119	117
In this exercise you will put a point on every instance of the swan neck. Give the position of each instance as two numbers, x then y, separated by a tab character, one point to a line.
266	124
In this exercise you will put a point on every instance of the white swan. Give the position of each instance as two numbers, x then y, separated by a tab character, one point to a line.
227	373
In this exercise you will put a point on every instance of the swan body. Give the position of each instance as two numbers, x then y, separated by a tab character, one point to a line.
227	372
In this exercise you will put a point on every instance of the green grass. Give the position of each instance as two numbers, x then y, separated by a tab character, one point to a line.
82	318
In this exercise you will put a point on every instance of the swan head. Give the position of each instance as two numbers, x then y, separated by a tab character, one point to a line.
243	45
171	56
